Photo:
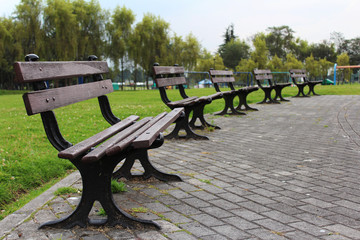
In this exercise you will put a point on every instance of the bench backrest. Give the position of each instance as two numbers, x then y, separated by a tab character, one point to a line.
263	75
49	99
43	100
222	76
297	73
166	76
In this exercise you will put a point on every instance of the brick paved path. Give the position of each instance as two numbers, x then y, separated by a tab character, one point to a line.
288	171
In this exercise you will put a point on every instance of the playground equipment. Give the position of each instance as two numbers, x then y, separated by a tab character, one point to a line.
343	67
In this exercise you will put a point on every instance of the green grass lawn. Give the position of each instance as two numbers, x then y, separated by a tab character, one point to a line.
29	164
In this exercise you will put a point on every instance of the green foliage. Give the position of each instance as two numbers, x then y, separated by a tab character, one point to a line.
233	52
102	212
117	187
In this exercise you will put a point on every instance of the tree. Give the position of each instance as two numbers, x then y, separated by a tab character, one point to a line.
261	54
191	52
324	66
344	60
61	30
233	51
10	51
28	24
279	41
312	67
246	65
300	49
118	32
292	63
352	48
150	44
276	64
90	20
323	50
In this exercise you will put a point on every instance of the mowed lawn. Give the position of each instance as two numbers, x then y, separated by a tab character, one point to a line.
29	164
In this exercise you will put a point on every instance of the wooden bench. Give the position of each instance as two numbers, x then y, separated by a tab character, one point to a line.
298	77
264	79
166	76
130	139
219	77
310	83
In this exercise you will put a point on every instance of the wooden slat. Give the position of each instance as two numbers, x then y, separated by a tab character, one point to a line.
38	71
298	75
263	77
148	137
222	79
297	71
82	147
262	71
183	102
168	70
171	81
128	140
46	100
221	72
100	151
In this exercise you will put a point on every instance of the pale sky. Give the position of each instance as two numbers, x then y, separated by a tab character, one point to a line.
312	20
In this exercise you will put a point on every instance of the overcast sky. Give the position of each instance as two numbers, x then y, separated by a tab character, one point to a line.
312	20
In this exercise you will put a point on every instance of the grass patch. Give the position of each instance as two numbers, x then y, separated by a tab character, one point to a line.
117	187
28	161
65	191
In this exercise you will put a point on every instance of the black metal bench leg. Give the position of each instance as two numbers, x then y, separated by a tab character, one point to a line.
149	169
96	179
278	94
242	101
311	90
267	97
301	91
229	103
198	113
183	124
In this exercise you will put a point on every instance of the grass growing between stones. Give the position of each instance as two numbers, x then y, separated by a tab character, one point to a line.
28	162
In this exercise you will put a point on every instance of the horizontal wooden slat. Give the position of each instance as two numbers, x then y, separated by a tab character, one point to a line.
148	137
262	71
298	75
100	151
168	70
82	147
183	102
222	79
263	77
118	147
297	71
46	100
39	71
171	81
221	73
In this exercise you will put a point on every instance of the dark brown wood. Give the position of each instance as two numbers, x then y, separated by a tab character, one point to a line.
263	76
222	79
118	147
262	71
298	75
168	70
80	148
148	137
100	151
220	72
171	81
46	100
26	72
183	102
297	71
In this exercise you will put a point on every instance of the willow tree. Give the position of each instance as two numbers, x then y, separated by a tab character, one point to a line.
150	43
61	27
28	26
90	21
